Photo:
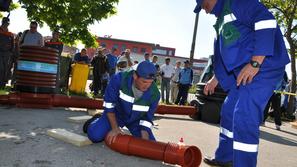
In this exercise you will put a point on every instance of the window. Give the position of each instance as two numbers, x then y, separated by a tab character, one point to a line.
160	51
170	53
135	49
124	47
143	50
116	46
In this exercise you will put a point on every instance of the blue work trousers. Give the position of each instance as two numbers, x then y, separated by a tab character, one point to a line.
99	128
241	116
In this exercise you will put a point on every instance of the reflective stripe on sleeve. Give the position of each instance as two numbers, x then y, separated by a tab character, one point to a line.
227	133
145	123
245	147
265	24
108	105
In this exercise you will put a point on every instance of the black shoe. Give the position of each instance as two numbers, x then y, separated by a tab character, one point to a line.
88	122
212	162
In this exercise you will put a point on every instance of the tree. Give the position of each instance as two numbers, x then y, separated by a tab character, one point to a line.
12	6
285	12
71	17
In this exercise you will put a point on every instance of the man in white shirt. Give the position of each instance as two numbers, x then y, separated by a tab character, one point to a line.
32	37
125	61
174	81
167	72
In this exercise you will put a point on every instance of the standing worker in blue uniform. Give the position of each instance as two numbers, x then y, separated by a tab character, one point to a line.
6	51
130	100
249	59
184	83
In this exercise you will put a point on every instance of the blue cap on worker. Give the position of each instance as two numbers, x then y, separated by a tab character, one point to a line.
146	70
198	6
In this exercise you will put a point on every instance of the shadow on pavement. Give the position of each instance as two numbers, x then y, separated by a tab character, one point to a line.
283	131
277	138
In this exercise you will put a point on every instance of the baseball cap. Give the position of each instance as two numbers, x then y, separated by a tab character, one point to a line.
198	6
146	70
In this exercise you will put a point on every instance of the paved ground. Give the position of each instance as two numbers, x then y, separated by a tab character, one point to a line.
24	143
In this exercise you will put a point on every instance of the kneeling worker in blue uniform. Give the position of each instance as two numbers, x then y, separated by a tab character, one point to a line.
249	59
130	100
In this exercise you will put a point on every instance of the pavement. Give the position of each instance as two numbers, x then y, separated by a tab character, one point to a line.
24	142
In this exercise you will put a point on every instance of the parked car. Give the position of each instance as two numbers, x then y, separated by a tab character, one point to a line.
208	107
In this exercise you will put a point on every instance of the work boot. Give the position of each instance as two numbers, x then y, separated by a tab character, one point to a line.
89	121
212	162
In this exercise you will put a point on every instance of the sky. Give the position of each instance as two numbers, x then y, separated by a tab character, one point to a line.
169	23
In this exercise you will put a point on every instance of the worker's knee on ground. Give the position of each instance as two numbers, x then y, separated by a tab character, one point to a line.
96	135
95	132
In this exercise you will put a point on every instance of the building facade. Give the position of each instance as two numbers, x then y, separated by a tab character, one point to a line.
135	46
139	48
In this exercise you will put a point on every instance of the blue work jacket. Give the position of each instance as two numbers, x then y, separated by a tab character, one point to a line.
246	28
119	99
186	76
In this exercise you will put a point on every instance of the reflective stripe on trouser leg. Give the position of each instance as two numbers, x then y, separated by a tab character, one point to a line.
135	130
224	152
248	116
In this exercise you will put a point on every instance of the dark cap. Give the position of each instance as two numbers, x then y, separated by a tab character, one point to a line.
146	70
198	6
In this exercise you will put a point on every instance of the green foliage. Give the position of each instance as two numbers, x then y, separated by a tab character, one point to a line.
13	6
71	17
285	12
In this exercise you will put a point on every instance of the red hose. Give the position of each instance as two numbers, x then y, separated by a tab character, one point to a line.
81	102
176	110
187	156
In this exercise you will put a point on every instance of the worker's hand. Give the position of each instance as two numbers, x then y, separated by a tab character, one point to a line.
112	135
247	74
210	86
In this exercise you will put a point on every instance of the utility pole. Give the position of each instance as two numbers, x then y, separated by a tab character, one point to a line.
194	39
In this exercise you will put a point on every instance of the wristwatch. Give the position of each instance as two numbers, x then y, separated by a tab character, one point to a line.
255	64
